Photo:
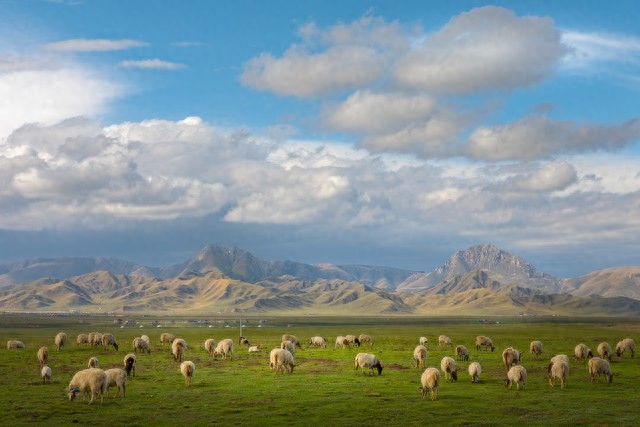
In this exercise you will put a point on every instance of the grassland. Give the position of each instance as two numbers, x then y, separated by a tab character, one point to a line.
323	390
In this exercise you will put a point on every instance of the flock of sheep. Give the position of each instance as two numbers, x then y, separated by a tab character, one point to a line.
95	382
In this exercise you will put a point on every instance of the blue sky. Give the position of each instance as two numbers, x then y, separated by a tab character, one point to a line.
381	133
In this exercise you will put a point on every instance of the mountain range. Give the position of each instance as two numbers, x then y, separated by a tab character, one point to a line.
482	280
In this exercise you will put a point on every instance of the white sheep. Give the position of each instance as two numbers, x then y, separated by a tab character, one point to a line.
510	357
187	368
93	363
517	374
95	338
462	353
109	339
281	360
626	344
535	348
91	380
604	350
255	348
341	341
130	364
60	340
178	347
444	340
82	339
43	356
224	348
288	345
166	338
558	368
560	357
364	338
45	373
582	352
598	366
14	344
475	370
367	360
430	380
209	346
353	339
484	341
423	341
117	377
449	368
420	356
146	338
318	341
292	338
140	344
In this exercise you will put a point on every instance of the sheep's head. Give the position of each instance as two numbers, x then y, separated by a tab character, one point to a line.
379	369
507	382
115	345
454	375
73	392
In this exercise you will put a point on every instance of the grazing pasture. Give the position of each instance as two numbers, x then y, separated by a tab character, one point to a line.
324	388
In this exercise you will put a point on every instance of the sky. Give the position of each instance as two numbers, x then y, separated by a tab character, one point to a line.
381	133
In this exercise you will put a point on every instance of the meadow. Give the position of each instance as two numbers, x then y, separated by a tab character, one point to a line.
324	389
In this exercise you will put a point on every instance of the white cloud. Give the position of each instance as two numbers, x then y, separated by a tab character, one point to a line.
152	64
591	50
92	45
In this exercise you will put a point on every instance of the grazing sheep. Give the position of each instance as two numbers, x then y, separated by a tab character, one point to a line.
341	341
116	377
91	380
109	339
604	350
224	348
535	348
582	353
82	339
318	341
281	360
598	366
626	344
95	338
177	349
60	340
288	345
210	346
130	364
255	348
444	340
140	344
93	363
364	338
448	366
558	368
187	368
483	341
560	358
45	373
43	356
462	352
423	341
517	374
367	360
475	370
293	339
510	357
430	380
419	356
353	339
166	338
13	344
146	338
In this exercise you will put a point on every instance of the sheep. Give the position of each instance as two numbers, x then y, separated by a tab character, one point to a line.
510	357
419	356
60	340
448	366
109	339
582	352
604	350
341	341
130	364
462	352
318	342
430	380
209	346
626	344
82	339
281	360
140	344
166	338
444	340
293	339
288	345
560	358
243	340
483	341
187	368
423	341
146	338
117	377
91	380
43	356
353	339
558	368
95	338
224	348
93	363
517	374
255	348
598	366
475	370
535	348
367	360
364	338
45	374
14	344
177	349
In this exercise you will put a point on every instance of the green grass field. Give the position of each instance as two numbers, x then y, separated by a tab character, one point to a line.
323	389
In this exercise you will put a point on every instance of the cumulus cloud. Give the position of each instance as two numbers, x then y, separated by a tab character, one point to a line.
150	64
550	177
92	45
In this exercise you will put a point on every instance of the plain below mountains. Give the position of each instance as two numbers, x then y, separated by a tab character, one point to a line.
482	280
